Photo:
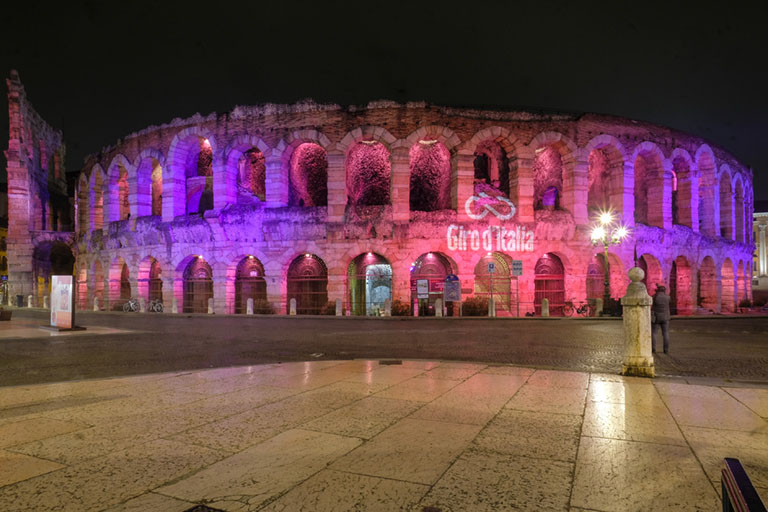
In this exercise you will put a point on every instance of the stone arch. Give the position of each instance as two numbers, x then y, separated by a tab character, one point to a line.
725	188
245	280
432	266
307	282
549	283
147	183
430	171
188	180
118	189
708	211
741	283
680	287
651	206
685	202
119	283
368	174
83	197
595	276
441	134
374	133
242	170
498	284
739	231
96	194
303	172
369	283
150	279
553	171
706	297
728	287
654	274
493	150
606	174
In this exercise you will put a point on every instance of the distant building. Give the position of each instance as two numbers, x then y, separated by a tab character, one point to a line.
760	259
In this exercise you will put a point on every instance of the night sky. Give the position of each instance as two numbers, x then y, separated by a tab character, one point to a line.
101	71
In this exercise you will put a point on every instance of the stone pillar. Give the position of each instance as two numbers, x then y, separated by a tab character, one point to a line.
142	305
439	307
174	193
598	307
462	183
276	182
336	285
638	359
545	307
292	311
339	308
400	188
575	189
30	301
174	305
96	304
521	184
46	302
761	248
660	199
210	306
337	186
622	194
249	306
688	200
387	307
220	289
276	286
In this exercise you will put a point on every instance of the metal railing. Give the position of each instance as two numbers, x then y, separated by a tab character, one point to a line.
739	495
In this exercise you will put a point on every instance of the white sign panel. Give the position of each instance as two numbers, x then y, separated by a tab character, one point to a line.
517	267
422	288
491	267
62	305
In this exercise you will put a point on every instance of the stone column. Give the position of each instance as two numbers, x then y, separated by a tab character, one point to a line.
575	189
660	200
622	194
688	200
462	183
400	188
638	358
219	305
762	257
336	285
521	184
276	182
337	186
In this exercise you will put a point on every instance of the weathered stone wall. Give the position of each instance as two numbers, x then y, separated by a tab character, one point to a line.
37	193
682	176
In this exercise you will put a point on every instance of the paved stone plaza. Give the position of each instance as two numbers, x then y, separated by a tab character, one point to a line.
364	435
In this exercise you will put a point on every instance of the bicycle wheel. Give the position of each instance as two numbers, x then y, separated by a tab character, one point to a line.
568	310
158	307
126	307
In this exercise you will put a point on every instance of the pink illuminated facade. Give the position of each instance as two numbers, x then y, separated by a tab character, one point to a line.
319	203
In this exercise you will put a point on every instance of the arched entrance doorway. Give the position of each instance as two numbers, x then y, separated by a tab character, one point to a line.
249	284
680	302
549	283
125	283
370	284
51	259
706	298
497	284
728	292
653	273
198	286
433	268
307	283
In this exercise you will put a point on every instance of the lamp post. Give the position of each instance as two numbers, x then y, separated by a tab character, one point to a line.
607	230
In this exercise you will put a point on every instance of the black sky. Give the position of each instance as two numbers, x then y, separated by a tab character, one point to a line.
103	70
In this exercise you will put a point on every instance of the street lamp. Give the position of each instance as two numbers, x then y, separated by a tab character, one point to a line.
607	230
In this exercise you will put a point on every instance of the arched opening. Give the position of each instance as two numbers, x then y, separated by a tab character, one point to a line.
649	190
249	284
370	284
680	300
596	277
706	166
197	287
549	283
726	206
198	172
432	268
82	205
125	283
741	283
368	174
497	284
123	192
307	282
149	187
682	193
150	279
51	259
82	288
547	178
728	283
251	176
430	164
98	283
97	199
738	211
706	298
157	188
491	168
599	177
308	176
653	273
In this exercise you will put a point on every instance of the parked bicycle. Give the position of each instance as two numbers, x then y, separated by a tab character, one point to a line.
582	309
131	306
155	306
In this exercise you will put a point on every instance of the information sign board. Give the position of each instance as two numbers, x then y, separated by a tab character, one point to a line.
517	267
422	288
61	302
491	267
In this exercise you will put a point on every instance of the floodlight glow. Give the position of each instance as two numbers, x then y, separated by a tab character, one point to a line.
621	232
598	233
606	218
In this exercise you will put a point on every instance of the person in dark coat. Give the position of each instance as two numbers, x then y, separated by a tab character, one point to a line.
660	316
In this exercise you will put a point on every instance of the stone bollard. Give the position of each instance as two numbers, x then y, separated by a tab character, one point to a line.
142	305
210	305
96	304
175	305
46	302
491	307
387	307
339	309
30	301
545	307
598	307
638	359
249	306
438	307
292	307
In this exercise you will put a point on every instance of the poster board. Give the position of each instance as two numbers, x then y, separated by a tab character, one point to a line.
62	302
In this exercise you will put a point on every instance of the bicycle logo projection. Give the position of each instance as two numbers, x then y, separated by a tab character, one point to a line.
493	238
